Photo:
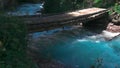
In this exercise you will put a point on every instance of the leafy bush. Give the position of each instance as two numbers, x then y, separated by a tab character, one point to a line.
116	8
103	3
66	5
13	43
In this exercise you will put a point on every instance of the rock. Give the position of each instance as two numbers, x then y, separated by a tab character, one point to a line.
115	17
109	35
114	21
119	19
113	28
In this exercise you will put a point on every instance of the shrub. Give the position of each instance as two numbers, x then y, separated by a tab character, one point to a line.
117	8
13	43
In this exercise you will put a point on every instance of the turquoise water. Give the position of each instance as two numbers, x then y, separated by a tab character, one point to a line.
81	49
27	9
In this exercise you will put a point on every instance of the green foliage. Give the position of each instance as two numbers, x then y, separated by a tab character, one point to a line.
52	6
103	3
56	6
13	43
117	8
30	1
97	1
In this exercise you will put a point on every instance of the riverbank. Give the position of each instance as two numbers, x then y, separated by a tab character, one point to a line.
113	28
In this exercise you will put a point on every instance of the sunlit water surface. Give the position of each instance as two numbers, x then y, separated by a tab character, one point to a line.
79	48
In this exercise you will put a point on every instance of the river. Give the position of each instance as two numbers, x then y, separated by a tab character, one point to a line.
78	48
27	9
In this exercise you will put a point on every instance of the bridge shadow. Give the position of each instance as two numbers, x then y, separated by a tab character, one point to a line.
97	25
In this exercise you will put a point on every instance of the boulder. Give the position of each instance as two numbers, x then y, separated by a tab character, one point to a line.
115	18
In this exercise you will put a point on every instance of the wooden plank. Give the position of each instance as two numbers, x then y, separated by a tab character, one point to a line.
66	16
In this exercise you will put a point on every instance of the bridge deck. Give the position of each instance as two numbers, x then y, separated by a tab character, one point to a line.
42	23
66	16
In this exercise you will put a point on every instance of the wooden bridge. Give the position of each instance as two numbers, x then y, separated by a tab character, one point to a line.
41	23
